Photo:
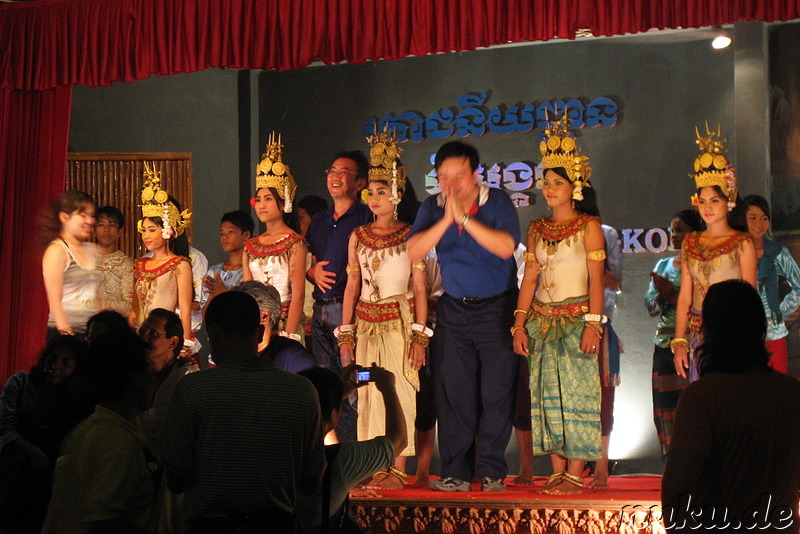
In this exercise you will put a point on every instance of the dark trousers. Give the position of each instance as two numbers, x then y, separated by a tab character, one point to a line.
328	316
475	372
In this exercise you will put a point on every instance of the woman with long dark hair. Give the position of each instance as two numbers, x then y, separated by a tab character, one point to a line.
278	256
558	323
661	301
716	254
774	261
37	409
163	280
734	450
385	301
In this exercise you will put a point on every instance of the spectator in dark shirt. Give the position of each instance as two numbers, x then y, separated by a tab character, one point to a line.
241	439
735	450
102	481
352	461
37	409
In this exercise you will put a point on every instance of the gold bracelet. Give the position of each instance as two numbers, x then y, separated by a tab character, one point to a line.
529	256
515	328
420	339
678	343
520	311
347	338
597	327
419	265
351	269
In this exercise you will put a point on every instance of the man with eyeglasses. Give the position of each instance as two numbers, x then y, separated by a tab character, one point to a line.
162	330
327	238
475	230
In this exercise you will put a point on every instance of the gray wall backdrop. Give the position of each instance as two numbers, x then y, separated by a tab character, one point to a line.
664	87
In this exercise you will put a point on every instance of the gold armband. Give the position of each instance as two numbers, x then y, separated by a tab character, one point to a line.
419	265
529	256
678	343
519	310
596	255
351	269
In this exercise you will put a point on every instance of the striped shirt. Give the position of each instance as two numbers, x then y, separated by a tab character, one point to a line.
247	435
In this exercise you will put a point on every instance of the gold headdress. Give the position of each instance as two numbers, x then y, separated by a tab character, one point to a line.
711	167
156	203
383	156
272	172
559	149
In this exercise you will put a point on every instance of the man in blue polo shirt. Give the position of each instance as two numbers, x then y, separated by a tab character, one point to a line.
475	231
327	236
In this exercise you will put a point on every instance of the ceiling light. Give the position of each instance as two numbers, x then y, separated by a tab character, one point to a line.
721	39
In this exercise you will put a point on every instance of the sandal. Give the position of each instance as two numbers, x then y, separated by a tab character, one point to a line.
573	479
556	484
390	471
554	479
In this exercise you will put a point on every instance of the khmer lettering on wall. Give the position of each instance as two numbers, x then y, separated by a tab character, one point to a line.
472	116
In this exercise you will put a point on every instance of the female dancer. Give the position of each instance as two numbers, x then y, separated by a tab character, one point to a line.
717	253
661	300
278	256
71	279
560	305
387	297
774	260
163	280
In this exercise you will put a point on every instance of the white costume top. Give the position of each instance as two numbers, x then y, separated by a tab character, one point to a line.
384	263
561	254
270	263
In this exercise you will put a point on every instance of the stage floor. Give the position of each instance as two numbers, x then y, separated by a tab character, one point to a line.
631	503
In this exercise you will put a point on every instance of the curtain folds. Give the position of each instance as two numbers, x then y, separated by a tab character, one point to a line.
34	129
56	43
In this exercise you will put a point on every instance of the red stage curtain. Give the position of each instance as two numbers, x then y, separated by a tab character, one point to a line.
34	128
55	43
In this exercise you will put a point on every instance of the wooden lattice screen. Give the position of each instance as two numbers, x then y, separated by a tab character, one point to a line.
115	178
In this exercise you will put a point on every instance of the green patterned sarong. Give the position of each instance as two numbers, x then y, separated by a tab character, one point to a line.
565	387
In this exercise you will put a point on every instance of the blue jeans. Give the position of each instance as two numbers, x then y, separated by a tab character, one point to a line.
326	351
